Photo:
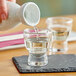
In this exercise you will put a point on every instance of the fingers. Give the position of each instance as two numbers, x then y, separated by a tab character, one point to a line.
0	20
3	10
12	0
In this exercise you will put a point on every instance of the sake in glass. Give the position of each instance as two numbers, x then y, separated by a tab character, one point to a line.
36	42
60	28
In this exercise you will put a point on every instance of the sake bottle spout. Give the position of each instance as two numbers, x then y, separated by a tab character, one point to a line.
29	14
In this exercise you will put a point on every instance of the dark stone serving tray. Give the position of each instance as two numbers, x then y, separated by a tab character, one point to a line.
57	63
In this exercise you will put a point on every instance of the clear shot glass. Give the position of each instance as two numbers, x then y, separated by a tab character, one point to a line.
60	28
36	42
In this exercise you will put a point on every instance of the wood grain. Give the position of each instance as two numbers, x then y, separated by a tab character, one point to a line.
7	68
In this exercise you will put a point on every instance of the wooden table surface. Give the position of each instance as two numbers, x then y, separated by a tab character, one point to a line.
7	68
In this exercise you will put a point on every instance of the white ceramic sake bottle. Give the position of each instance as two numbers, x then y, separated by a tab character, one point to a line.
28	14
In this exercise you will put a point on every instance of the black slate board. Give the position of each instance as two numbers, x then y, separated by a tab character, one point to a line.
57	63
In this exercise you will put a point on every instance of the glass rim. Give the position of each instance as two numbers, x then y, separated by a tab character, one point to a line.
69	20
26	31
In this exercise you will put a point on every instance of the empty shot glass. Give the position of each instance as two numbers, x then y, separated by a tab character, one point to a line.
60	28
37	45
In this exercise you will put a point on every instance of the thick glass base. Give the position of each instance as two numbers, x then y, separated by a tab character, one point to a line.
59	50
38	63
34	60
59	46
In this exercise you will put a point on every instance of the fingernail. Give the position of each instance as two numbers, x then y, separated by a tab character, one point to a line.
3	16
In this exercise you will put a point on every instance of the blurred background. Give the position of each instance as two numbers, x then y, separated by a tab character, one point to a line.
54	7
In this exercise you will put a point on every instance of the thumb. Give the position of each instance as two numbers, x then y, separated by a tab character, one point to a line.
3	9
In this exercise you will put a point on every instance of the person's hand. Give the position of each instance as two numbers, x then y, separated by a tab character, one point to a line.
4	9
